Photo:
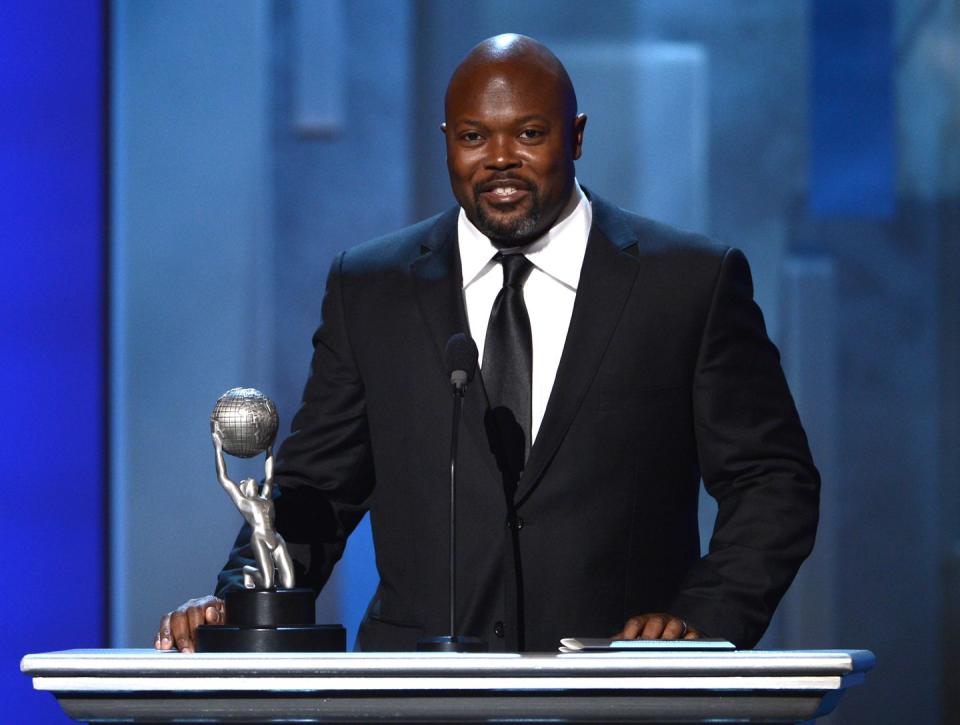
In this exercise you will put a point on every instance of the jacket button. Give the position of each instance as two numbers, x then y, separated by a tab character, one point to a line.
498	629
515	522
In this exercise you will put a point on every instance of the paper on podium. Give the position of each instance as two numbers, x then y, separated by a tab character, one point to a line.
589	644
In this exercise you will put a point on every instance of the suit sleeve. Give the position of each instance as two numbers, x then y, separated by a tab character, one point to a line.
324	471
755	462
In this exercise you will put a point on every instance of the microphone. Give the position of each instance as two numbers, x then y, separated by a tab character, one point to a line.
461	360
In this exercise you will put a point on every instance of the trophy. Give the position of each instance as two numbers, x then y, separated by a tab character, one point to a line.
268	614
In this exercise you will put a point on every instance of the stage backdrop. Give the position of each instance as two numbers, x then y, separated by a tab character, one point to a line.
52	305
254	140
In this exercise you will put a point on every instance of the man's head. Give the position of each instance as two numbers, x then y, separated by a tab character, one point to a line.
512	133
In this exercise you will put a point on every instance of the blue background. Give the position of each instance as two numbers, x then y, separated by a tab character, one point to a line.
52	316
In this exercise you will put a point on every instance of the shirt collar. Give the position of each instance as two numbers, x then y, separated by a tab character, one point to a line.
558	253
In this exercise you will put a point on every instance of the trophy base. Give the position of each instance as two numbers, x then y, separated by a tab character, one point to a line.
305	638
270	607
452	644
278	620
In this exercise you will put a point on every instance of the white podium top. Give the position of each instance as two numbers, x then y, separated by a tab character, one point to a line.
142	685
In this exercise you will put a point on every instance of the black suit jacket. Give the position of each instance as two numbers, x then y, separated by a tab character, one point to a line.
667	375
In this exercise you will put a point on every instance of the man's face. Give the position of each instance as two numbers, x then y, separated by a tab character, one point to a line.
512	137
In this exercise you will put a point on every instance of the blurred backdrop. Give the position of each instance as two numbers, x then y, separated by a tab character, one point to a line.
178	175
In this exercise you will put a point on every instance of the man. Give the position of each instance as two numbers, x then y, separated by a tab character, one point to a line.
630	354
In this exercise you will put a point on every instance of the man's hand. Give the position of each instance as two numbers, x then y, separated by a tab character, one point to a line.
657	625
179	628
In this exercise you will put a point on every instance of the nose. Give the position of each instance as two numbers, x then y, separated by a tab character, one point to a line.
501	154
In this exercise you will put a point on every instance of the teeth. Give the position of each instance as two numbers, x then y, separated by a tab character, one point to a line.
504	190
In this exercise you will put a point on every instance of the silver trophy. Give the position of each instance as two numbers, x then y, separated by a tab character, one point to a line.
266	615
244	423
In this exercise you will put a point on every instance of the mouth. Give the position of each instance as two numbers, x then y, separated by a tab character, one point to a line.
503	192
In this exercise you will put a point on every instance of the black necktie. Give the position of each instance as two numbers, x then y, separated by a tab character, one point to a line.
507	367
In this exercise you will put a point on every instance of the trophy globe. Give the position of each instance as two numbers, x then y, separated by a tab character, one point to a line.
247	420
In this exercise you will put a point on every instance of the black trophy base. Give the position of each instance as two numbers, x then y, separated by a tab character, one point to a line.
271	621
449	643
305	638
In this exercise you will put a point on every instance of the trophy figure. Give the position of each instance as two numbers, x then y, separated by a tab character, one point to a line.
268	614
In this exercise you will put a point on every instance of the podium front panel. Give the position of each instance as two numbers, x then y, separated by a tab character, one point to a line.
149	686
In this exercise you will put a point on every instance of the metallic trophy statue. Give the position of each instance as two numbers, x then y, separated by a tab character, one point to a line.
244	423
261	617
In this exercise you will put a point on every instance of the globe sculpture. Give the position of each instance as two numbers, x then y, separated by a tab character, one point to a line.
247	420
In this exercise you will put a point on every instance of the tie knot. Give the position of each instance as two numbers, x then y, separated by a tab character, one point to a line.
516	269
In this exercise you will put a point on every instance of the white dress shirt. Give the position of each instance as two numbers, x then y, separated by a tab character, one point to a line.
549	292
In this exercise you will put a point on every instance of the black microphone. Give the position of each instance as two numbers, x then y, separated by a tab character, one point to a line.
461	359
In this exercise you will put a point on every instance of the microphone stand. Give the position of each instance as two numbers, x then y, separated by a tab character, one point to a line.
458	391
453	642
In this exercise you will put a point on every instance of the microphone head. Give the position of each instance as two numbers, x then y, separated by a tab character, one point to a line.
461	358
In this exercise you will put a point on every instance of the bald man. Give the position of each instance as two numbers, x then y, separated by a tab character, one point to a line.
621	361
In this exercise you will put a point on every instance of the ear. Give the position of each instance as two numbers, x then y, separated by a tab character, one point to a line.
579	124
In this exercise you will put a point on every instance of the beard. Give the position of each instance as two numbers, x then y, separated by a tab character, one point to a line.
509	230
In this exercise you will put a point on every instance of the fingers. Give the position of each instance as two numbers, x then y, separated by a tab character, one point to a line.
214	613
632	628
194	616
643	626
163	639
179	628
675	628
657	625
181	631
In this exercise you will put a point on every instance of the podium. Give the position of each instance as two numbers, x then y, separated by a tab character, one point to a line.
97	686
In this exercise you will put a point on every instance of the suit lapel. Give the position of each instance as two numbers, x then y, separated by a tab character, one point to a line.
438	282
609	269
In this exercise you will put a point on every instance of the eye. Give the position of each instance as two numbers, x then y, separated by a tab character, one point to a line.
532	134
471	137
